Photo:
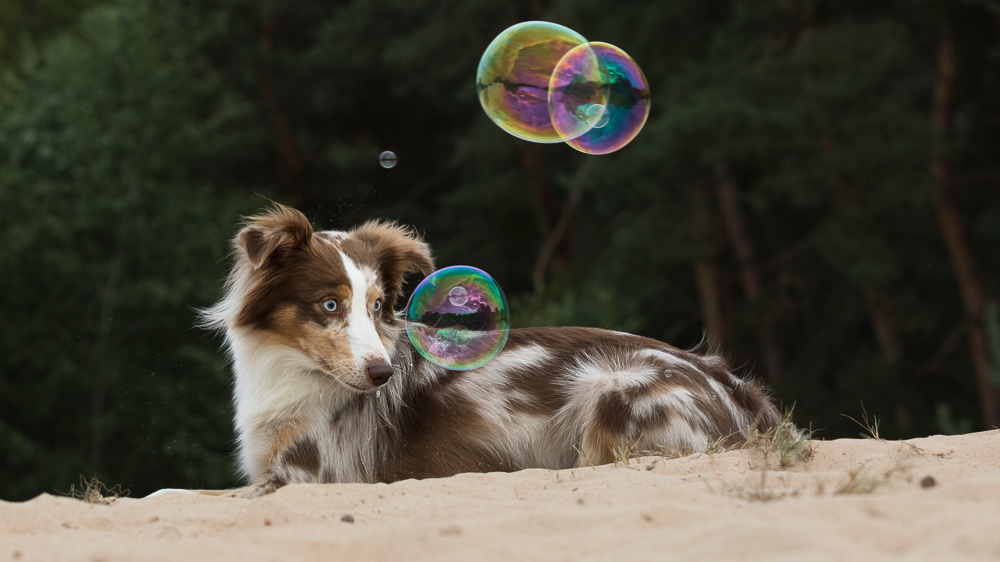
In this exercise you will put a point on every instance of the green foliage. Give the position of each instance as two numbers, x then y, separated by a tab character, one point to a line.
23	24
106	234
132	141
993	332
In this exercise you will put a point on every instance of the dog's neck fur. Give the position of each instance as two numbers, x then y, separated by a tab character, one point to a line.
276	385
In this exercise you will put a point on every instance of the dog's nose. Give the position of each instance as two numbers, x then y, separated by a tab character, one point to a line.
379	373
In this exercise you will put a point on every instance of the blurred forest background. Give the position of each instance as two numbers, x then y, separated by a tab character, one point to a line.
816	189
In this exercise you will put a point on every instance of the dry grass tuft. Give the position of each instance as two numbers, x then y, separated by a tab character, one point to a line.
790	444
624	454
94	491
870	426
760	491
861	481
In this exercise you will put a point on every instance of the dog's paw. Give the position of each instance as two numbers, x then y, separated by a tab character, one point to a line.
254	491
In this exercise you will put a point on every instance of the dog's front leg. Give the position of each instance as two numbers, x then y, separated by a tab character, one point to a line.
292	457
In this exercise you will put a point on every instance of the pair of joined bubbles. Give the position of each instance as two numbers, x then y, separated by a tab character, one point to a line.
545	83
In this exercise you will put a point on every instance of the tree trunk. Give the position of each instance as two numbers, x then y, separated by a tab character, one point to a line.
955	232
294	169
876	302
885	333
713	289
554	237
738	229
541	190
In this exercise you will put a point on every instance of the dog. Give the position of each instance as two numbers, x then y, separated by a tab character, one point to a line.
328	388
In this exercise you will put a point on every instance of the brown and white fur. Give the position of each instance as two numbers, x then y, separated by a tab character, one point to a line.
313	403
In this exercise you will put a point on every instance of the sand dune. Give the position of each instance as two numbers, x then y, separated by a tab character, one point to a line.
700	507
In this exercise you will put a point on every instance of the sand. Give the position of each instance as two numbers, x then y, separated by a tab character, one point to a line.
722	506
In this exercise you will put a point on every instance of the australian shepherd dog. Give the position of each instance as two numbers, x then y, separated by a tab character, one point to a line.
329	389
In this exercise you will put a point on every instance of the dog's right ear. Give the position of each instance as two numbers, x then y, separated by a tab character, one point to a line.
269	235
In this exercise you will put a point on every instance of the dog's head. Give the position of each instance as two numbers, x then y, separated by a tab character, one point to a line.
330	295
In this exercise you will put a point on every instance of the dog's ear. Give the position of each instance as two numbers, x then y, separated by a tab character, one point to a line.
395	250
269	234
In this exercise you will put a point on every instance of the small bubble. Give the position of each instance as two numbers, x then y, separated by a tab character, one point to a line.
595	112
599	114
458	296
387	159
714	397
667	374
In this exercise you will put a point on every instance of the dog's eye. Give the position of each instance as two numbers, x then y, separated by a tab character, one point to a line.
378	305
330	305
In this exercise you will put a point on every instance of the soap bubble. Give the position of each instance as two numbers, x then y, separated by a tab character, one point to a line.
595	112
628	101
458	318
514	75
545	83
387	159
458	296
603	121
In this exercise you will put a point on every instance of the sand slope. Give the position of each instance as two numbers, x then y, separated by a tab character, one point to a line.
700	507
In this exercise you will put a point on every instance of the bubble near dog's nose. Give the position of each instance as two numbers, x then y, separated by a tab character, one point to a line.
457	318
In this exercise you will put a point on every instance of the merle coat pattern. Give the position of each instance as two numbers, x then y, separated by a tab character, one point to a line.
341	396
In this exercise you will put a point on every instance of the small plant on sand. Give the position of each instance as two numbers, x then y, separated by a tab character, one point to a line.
95	492
791	444
861	482
870	426
759	490
624	454
718	445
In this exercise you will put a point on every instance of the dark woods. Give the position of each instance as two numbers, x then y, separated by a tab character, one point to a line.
816	189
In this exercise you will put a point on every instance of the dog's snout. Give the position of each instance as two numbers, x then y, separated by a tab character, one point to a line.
379	372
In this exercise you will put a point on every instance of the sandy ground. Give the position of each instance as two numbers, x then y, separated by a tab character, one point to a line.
701	507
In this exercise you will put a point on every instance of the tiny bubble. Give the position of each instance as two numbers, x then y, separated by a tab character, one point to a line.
458	296
388	159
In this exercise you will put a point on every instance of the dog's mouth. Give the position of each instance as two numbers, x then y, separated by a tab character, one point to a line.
327	370
352	387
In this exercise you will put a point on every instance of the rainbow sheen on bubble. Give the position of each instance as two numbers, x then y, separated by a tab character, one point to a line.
628	103
578	92
458	318
514	75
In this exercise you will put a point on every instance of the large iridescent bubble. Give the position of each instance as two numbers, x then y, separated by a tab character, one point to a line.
628	103
519	68
458	318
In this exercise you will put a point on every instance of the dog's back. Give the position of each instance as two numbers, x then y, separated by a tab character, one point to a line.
565	397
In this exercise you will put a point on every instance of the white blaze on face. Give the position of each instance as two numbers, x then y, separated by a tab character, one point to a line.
364	340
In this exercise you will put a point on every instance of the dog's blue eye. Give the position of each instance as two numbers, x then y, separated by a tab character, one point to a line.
378	305
330	305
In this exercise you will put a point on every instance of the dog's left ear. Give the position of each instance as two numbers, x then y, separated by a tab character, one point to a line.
397	251
269	236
